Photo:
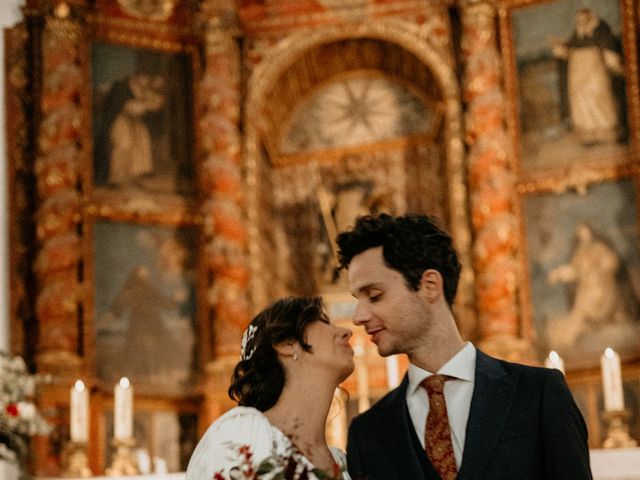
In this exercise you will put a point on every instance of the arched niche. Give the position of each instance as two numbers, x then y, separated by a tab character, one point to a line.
294	175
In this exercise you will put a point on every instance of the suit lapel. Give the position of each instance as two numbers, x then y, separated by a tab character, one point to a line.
397	436
490	406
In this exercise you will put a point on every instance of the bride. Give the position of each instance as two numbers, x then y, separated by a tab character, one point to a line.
292	361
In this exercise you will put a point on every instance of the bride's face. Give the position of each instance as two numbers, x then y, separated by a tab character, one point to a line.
330	347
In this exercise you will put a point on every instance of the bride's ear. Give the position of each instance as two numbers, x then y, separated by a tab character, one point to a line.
286	348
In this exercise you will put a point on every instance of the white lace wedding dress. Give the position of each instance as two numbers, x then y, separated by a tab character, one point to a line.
218	449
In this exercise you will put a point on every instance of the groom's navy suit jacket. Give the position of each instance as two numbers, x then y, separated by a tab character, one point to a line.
523	425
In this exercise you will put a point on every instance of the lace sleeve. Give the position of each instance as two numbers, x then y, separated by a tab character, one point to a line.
218	449
341	459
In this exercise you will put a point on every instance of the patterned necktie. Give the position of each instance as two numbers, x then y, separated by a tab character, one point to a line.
437	435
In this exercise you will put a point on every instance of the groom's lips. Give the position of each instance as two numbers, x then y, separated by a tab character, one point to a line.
373	333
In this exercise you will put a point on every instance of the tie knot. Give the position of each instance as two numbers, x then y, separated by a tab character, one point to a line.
434	383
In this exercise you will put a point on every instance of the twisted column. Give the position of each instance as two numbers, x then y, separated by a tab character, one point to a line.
224	227
492	186
58	154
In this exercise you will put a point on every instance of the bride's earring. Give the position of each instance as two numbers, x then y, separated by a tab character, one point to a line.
295	355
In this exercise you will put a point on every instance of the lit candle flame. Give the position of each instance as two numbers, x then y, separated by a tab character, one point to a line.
124	382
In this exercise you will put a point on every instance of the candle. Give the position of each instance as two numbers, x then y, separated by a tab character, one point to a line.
393	373
554	361
79	413
612	381
123	411
362	377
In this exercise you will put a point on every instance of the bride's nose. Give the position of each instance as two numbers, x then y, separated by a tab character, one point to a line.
345	333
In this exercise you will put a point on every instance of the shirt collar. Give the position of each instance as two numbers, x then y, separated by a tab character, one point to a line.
462	366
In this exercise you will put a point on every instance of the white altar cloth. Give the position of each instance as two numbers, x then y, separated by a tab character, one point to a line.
616	464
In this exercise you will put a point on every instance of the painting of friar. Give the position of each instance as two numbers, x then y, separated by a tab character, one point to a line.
584	264
145	305
141	120
570	68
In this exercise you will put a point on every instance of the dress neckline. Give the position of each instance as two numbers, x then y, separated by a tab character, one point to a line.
309	463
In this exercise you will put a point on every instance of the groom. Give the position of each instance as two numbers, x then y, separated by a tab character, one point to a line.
459	413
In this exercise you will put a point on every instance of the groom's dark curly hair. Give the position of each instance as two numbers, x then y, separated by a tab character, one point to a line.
258	380
410	245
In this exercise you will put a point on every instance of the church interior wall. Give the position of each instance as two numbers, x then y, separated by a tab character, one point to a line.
265	130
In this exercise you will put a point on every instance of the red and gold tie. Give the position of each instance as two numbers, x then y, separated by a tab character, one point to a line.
437	435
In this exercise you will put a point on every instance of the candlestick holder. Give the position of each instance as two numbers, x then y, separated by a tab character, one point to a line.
618	430
76	461
124	461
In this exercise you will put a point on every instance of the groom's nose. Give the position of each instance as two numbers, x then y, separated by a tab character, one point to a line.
362	314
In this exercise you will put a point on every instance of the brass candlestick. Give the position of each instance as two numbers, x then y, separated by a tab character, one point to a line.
76	461
124	461
618	430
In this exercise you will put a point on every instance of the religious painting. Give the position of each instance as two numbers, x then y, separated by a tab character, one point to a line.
584	269
142	120
571	88
145	306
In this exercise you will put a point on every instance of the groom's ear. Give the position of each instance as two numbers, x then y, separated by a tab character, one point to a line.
431	284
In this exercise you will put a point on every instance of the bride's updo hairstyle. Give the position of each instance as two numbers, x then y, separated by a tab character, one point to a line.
259	377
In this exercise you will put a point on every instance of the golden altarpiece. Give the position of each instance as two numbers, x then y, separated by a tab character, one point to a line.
175	165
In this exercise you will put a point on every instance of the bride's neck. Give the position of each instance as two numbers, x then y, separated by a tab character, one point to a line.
301	411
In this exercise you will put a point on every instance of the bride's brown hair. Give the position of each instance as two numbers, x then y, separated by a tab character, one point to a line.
259	377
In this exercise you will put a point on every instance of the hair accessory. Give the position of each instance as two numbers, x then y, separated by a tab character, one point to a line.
295	355
247	337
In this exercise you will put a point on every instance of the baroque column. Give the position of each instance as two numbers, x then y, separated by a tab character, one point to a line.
225	232
492	186
58	153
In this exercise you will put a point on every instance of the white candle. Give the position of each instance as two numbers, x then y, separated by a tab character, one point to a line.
554	361
612	381
79	413
362	377
123	411
393	372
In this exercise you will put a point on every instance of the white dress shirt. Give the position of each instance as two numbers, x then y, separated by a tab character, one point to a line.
457	394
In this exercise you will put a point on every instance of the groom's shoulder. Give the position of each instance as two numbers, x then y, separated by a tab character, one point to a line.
382	407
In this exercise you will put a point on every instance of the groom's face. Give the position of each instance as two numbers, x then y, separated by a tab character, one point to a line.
395	316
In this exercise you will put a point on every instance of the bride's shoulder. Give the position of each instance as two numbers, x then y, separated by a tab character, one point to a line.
244	424
241	414
218	449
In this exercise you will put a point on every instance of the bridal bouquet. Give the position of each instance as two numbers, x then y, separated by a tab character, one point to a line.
289	466
19	417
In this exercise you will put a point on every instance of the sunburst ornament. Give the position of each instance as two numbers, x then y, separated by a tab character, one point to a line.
356	110
148	9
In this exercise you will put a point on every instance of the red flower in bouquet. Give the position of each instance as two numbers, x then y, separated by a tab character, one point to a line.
12	409
289	466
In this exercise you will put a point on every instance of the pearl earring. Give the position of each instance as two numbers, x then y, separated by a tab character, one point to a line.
295	355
